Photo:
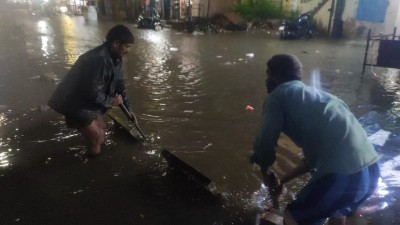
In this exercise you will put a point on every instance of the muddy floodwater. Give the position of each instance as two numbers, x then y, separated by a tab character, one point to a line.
189	93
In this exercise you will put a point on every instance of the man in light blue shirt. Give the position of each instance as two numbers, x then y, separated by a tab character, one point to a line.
342	161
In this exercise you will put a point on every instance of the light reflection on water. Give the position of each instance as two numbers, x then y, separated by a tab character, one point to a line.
391	83
78	37
5	150
3	119
4	159
390	171
59	137
377	202
169	83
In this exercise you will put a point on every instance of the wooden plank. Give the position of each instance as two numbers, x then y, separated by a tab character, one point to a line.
270	217
124	125
131	117
190	172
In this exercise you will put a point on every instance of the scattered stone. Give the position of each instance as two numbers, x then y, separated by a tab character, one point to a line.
43	108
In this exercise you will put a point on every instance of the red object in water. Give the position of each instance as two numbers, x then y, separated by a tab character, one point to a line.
249	108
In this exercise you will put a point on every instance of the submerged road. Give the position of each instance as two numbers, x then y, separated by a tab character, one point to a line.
190	94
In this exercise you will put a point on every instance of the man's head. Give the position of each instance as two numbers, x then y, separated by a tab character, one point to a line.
119	40
282	68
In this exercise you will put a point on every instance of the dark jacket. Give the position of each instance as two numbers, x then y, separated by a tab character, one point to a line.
89	87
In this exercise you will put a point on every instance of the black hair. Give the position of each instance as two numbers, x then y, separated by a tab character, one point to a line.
119	33
285	67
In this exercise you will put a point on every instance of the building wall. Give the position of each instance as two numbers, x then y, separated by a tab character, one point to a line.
351	26
356	28
323	17
392	18
308	5
201	8
220	6
397	23
290	6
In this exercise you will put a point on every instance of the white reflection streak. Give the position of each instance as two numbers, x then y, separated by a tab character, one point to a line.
390	172
2	119
382	189
3	159
56	138
154	38
43	30
260	196
45	46
316	79
157	39
42	26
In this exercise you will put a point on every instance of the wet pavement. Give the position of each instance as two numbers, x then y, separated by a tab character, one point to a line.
189	92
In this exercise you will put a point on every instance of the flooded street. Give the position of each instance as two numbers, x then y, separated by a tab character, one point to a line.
189	93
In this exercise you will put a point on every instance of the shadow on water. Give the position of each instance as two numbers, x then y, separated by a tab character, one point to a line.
189	94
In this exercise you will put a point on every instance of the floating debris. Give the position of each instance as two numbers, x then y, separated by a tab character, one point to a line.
43	108
208	145
198	33
379	138
249	108
250	55
3	108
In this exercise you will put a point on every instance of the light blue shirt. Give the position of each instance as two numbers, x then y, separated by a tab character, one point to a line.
332	139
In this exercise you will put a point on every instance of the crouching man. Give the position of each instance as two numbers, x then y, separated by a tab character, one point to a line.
94	84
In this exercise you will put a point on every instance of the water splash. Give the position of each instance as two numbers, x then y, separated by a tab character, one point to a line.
390	171
4	162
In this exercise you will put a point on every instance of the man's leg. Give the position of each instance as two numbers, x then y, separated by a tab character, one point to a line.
334	196
94	134
368	184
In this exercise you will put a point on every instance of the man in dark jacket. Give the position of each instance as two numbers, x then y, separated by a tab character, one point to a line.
94	84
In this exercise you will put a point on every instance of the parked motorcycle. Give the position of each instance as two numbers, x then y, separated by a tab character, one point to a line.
298	28
153	22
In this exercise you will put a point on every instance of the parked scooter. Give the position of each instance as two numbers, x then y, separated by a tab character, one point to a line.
298	28
153	22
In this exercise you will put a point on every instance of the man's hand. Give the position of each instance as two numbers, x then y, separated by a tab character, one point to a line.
272	181
117	100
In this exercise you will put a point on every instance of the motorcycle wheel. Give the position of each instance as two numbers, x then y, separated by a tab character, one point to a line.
310	33
158	27
141	24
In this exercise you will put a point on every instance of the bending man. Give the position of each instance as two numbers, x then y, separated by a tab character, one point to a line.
342	162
